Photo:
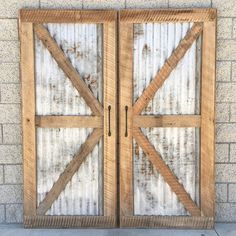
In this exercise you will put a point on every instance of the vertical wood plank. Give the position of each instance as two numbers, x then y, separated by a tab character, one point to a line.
110	117
207	121
28	117
125	96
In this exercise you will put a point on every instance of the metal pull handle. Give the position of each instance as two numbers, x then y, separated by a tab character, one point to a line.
126	121
109	120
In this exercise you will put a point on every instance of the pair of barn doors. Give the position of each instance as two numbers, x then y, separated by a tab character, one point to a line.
118	118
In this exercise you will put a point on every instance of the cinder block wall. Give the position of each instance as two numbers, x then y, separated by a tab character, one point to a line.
10	128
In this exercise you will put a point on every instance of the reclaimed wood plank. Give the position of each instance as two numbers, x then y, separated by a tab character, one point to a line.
125	118
180	222
167	15
28	117
167	121
70	222
67	16
69	121
110	119
208	119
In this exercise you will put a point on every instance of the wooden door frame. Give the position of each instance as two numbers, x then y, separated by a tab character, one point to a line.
31	22
130	120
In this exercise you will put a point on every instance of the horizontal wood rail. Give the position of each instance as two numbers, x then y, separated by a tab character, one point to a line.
70	221
167	121
69	121
167	15
67	16
197	222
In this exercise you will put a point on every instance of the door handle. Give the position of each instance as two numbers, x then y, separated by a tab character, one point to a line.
126	121
109	120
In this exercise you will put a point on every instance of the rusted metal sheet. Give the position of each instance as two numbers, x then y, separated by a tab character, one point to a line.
153	44
55	95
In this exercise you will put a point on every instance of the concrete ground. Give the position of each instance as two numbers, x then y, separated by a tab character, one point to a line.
18	230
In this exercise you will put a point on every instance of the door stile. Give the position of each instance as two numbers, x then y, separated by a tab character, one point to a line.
207	188
110	117
28	117
125	119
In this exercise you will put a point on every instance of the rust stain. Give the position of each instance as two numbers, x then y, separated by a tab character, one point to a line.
146	50
138	31
71	49
79	54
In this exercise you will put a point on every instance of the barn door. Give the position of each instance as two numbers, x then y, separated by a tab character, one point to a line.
166	118
167	73
69	118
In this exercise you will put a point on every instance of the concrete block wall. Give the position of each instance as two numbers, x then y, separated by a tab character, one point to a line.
10	129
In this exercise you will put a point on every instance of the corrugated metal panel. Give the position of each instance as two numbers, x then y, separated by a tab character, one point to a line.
153	44
82	44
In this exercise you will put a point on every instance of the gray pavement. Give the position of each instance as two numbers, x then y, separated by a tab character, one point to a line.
18	230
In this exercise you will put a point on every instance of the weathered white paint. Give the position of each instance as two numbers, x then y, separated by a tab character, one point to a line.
153	44
82	44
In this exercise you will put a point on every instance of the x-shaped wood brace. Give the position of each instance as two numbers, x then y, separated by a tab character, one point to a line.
97	109
143	101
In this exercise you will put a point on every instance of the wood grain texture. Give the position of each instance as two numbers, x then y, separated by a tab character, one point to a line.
208	119
28	117
63	62
165	171
70	222
167	121
168	15
110	119
167	68
125	100
67	16
69	121
181	222
69	171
